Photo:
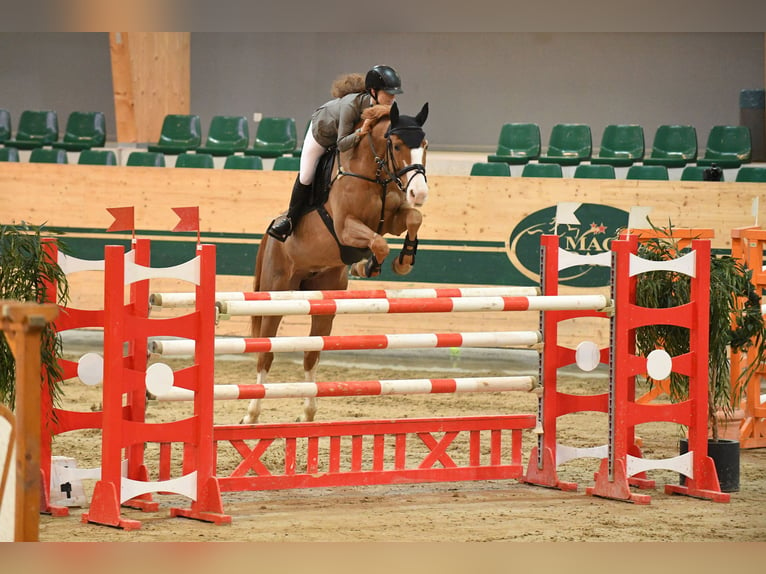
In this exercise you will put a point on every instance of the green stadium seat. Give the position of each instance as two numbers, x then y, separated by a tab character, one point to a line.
179	133
542	170
491	169
227	135
5	125
727	147
84	130
656	172
696	173
518	144
751	173
146	159
197	160
48	155
243	162
287	163
9	154
36	129
621	145
569	144
97	157
274	137
673	146
590	171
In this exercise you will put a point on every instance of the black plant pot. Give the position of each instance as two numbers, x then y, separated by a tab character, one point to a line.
725	455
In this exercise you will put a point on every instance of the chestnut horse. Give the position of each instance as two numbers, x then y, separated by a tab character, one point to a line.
374	190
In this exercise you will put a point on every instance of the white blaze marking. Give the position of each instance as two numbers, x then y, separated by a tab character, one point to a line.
417	188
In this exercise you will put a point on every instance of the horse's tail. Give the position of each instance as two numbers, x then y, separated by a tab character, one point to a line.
255	321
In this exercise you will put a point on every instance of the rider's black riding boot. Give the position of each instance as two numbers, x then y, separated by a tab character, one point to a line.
281	228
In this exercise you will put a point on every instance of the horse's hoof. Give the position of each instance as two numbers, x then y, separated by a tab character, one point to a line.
399	268
357	269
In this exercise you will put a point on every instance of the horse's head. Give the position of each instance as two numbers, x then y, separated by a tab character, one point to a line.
407	145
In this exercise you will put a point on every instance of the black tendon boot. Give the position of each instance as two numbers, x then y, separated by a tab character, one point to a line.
281	228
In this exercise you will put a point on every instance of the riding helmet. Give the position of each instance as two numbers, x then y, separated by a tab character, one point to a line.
383	78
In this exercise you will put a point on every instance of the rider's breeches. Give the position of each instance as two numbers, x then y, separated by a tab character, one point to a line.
310	154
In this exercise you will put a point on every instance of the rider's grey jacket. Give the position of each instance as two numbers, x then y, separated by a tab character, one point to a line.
334	121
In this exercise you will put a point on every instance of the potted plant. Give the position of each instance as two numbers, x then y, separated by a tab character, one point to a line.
736	323
25	267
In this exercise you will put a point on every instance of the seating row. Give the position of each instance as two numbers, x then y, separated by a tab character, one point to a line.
36	129
150	159
227	135
605	171
180	133
622	145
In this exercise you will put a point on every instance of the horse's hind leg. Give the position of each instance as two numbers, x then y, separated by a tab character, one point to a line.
410	220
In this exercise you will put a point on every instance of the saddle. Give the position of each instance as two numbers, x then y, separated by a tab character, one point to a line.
320	192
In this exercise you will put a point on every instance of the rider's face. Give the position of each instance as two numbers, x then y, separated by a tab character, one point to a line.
385	98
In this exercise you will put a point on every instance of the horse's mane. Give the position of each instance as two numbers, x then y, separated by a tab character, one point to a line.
347	84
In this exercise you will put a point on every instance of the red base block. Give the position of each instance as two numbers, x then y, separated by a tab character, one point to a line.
208	507
199	515
105	508
704	485
697	493
547	475
142	504
617	489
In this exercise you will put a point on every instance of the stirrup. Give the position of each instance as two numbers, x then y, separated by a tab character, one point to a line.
280	228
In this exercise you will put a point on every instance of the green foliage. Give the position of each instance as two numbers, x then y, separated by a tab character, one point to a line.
25	268
736	322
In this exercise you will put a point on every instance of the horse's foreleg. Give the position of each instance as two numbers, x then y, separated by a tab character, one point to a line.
254	407
411	220
355	233
261	327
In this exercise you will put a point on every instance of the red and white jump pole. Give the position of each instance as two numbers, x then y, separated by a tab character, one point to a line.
239	345
170	300
413	305
352	388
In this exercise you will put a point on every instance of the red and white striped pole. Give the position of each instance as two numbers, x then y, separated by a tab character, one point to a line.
239	345
413	305
187	299
351	388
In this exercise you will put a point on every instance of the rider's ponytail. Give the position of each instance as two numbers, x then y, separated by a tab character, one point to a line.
347	84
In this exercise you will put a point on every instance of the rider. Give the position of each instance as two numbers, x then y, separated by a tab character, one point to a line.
333	124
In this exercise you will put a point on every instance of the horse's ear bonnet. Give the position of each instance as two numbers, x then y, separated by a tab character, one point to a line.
409	129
